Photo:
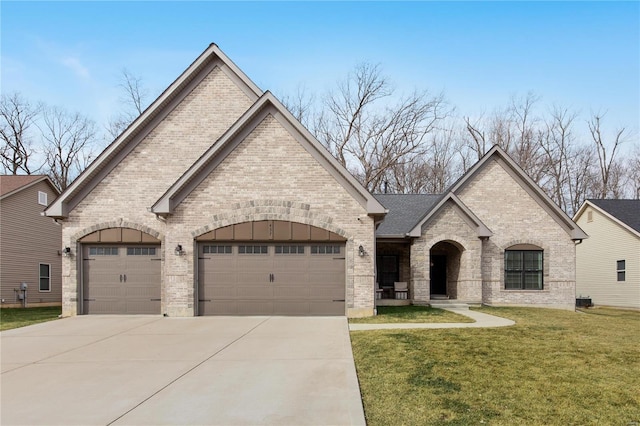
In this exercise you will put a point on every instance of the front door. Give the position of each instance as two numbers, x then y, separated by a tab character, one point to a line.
439	274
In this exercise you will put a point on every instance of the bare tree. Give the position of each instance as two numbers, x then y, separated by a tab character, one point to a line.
369	137
134	97
17	116
558	144
633	168
300	104
515	129
433	171
68	139
609	168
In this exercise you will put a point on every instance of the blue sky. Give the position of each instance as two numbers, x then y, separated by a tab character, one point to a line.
582	55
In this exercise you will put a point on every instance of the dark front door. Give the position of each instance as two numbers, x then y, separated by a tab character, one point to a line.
388	271
439	274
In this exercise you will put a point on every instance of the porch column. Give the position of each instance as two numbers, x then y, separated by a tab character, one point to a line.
420	272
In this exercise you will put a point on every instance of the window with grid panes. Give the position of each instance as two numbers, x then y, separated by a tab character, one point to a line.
523	269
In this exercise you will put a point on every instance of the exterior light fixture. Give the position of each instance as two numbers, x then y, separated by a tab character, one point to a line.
361	251
66	251
179	251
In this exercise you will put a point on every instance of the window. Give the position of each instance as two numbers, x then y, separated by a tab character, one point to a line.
289	249
621	269
141	251
42	198
253	250
103	251
216	249
523	270
325	249
45	277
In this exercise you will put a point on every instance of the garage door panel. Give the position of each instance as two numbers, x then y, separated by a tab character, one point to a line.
223	307
289	292
298	307
326	293
103	306
254	291
121	279
272	279
142	307
257	307
216	293
326	308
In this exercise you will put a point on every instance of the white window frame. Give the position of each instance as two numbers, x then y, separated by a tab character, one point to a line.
42	198
622	270
40	277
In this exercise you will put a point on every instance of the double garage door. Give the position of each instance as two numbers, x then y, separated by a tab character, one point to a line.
271	278
121	279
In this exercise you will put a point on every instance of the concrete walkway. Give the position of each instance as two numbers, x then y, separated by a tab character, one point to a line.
482	320
148	370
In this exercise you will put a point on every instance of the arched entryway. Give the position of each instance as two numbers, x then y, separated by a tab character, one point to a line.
444	269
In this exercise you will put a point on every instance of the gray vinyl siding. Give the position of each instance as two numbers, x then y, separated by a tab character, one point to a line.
28	239
596	272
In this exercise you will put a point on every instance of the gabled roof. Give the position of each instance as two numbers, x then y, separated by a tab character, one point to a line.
624	212
147	121
11	184
408	213
405	210
267	104
481	229
497	153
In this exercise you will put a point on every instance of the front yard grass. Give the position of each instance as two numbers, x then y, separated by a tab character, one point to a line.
410	314
552	368
21	317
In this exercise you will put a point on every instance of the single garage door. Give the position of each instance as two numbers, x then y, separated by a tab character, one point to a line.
271	278
121	279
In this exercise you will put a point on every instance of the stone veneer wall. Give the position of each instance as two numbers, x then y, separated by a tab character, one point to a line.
515	217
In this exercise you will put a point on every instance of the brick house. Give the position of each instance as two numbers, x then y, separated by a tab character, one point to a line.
494	238
30	250
217	201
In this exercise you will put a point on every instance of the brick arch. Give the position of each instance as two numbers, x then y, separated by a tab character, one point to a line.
454	240
532	242
259	210
120	223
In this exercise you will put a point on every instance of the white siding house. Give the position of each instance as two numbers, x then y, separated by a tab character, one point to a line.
608	262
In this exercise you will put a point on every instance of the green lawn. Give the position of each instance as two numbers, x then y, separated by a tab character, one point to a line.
552	368
409	314
20	317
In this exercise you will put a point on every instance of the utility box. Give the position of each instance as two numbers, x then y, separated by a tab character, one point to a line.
583	302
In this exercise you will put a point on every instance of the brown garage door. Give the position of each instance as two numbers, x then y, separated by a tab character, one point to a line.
121	279
271	279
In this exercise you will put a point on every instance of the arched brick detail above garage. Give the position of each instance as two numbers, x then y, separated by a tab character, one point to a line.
119	235
270	230
282	211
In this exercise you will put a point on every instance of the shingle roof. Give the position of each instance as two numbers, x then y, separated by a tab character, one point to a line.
9	183
405	210
626	211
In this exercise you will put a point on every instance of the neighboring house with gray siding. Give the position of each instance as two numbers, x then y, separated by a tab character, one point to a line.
217	201
30	243
608	263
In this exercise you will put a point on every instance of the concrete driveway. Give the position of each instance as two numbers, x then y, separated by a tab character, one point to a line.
147	370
